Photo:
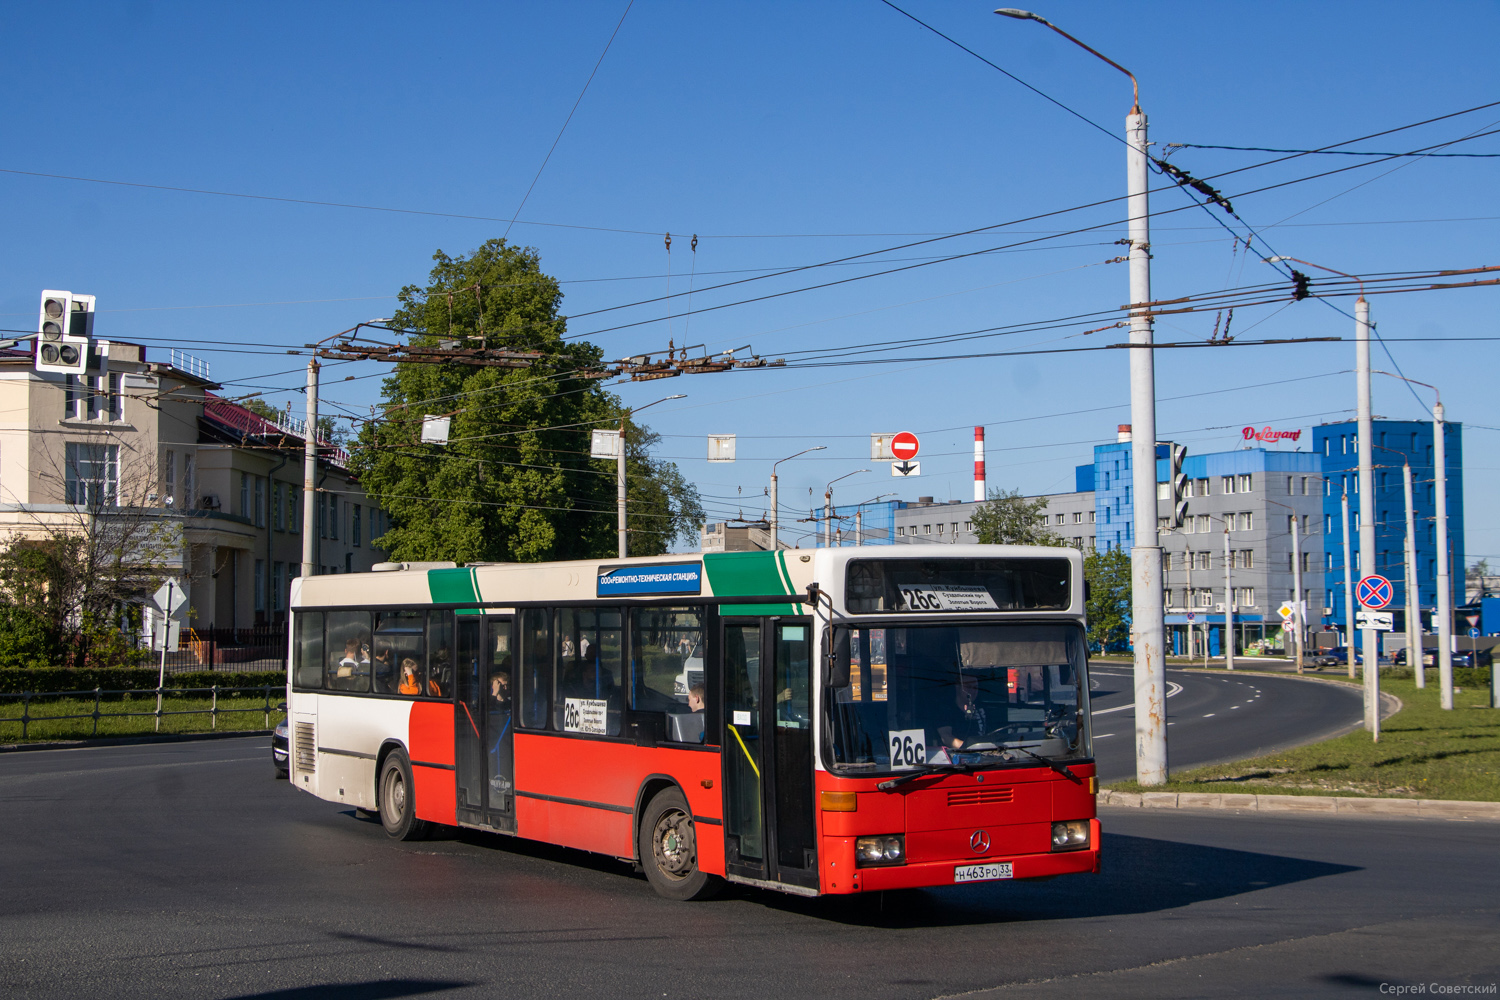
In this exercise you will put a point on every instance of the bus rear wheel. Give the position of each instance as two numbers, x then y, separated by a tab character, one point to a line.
668	845
398	806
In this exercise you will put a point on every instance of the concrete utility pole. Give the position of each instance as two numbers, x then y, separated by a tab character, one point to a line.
775	509
1147	626
1371	643
310	475
1228	601
1414	653
1298	615
827	531
1348	589
1444	584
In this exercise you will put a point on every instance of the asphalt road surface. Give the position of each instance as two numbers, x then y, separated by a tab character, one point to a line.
188	870
1217	716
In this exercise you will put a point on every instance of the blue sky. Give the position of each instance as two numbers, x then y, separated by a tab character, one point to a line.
783	135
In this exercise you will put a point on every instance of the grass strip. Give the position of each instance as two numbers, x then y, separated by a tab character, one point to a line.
1423	753
180	715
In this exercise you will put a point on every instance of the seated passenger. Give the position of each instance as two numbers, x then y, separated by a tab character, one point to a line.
695	698
409	684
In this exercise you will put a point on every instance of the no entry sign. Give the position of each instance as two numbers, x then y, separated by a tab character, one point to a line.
1374	592
904	446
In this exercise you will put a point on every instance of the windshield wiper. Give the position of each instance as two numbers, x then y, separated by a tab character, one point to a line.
887	785
1061	769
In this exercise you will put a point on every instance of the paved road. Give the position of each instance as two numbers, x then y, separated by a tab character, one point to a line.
1217	716
187	870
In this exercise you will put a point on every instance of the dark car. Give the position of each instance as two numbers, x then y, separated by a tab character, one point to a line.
1335	657
1474	658
279	747
1429	658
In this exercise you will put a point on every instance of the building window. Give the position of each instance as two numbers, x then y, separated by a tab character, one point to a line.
169	478
1290	482
278	586
900	531
92	397
1226	484
278	506
1163	491
293	509
1204	524
940	529
260	585
1328	562
969	525
260	503
926	529
1187	526
1091	517
1245	481
1244	597
92	477
333	517
1306	562
1078	517
189	481
245	495
1203	487
1060	519
1247	521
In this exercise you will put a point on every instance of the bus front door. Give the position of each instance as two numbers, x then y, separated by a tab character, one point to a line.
769	830
483	729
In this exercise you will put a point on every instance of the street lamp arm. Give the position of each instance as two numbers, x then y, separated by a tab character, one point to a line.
1411	381
1026	15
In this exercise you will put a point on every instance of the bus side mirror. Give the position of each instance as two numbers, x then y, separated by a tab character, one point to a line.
838	658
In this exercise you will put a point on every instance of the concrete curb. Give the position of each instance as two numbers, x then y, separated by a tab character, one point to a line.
131	741
1321	805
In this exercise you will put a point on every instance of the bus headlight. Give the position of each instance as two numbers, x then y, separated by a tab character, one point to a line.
871	852
1071	835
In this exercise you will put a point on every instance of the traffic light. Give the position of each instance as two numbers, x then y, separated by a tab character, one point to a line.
1179	485
64	331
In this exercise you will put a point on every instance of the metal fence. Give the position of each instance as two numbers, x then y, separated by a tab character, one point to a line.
229	650
28	698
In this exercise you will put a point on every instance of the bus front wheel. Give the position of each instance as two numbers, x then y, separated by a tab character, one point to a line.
669	849
398	806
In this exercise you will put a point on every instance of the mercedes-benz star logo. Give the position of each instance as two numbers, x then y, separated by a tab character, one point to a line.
979	841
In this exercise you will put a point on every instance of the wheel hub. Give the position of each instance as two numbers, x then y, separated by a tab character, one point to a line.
676	853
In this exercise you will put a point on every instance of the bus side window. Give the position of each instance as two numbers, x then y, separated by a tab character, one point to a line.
346	654
439	654
667	656
309	650
536	668
400	656
589	671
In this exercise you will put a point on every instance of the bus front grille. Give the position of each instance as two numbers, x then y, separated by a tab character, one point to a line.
306	748
980	796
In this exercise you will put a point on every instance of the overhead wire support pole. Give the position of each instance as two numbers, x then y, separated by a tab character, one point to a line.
1415	657
1348	588
1228	601
1444	580
310	475
1370	646
1147	626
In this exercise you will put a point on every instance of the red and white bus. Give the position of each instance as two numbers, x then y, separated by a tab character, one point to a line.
813	721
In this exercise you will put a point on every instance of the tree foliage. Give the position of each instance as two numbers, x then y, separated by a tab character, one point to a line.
1108	608
515	482
1008	518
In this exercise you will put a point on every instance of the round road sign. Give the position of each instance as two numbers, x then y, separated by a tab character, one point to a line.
1374	592
904	446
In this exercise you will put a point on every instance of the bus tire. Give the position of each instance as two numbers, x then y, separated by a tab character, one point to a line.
668	845
398	804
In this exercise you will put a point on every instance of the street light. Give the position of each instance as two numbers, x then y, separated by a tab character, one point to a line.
624	544
828	508
775	513
1147	627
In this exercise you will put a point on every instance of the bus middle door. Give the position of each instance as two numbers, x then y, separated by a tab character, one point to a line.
484	730
769	830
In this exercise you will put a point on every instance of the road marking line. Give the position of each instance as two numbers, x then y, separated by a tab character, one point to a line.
1210	715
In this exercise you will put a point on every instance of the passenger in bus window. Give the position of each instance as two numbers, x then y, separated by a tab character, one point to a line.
438	672
409	685
695	698
382	668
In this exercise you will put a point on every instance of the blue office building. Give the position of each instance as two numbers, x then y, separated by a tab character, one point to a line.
1396	444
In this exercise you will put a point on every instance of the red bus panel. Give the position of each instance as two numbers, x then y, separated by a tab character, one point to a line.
582	793
430	742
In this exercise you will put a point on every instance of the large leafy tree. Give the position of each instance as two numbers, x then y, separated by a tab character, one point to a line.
1008	518
515	481
1108	574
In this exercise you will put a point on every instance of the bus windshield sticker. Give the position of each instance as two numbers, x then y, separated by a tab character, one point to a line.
634	581
908	748
946	597
586	715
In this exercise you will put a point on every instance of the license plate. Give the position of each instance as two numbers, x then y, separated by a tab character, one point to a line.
982	873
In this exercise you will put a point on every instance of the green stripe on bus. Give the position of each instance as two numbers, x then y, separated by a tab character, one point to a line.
732	574
453	586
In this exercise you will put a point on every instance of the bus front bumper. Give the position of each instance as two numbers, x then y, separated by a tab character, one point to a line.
996	867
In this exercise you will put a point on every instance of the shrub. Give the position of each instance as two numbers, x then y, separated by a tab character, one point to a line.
49	679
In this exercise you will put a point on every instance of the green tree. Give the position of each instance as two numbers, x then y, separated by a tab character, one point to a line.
1108	607
515	482
1008	518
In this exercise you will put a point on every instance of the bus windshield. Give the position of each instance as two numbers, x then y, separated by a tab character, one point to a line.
905	698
